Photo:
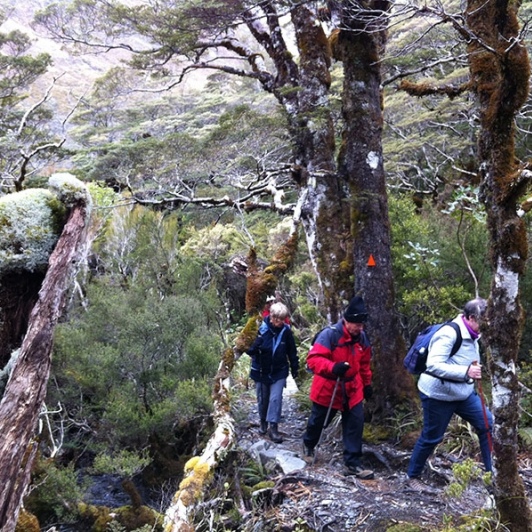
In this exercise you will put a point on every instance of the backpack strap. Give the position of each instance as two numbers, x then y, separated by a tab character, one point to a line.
458	342
455	348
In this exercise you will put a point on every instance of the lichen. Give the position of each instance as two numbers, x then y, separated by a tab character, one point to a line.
27	523
29	230
6	371
189	466
70	190
32	220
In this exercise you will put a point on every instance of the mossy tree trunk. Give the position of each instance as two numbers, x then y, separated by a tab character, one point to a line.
360	45
499	66
322	195
26	389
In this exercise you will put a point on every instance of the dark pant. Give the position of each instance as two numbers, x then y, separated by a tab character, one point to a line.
352	429
436	417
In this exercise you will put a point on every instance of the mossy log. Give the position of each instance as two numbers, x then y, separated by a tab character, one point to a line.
199	469
26	388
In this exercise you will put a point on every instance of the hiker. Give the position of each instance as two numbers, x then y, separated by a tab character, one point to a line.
447	387
273	356
270	300
340	361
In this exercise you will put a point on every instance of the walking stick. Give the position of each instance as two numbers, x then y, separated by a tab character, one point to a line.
326	417
484	412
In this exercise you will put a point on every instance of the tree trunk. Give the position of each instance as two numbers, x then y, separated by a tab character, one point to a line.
360	47
26	389
500	72
322	194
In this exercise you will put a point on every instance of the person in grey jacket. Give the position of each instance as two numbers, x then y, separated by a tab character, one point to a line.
447	387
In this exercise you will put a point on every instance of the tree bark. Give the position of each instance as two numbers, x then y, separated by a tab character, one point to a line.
26	389
324	196
500	73
360	45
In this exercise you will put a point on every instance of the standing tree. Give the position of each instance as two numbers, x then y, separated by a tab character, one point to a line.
500	72
499	77
341	200
360	45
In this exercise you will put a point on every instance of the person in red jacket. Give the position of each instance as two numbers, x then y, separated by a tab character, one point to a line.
340	361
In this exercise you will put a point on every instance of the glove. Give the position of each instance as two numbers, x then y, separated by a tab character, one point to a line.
340	369
368	392
295	374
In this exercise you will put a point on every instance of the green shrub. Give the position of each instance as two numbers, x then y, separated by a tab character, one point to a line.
55	492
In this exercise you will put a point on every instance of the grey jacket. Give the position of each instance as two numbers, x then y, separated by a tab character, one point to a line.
448	380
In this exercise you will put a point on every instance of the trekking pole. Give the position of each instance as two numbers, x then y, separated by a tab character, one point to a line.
484	412
327	416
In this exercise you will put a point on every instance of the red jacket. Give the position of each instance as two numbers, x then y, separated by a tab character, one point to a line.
334	344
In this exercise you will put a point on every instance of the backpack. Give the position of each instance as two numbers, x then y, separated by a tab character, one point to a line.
337	336
338	333
415	360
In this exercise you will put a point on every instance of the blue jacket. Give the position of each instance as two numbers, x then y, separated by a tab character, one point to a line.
273	353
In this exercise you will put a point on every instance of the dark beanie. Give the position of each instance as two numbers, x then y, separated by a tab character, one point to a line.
356	311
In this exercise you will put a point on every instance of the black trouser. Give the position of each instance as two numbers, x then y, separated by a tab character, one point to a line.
352	429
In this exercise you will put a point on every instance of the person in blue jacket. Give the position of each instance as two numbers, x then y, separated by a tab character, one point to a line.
273	355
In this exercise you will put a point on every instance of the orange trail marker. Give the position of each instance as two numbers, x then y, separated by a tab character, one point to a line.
371	261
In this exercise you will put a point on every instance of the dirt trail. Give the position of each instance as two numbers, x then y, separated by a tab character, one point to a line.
322	498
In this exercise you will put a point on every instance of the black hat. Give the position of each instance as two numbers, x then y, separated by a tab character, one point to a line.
356	311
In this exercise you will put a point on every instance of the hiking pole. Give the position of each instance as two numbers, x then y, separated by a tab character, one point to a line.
484	412
327	417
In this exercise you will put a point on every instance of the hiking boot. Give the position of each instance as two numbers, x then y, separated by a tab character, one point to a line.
263	427
308	452
417	486
274	433
359	472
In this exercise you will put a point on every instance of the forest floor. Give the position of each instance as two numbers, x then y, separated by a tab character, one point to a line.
318	497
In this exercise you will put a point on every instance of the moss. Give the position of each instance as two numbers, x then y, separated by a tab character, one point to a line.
69	190
134	518
248	334
191	487
27	522
427	89
189	466
29	230
98	516
32	220
133	492
264	484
